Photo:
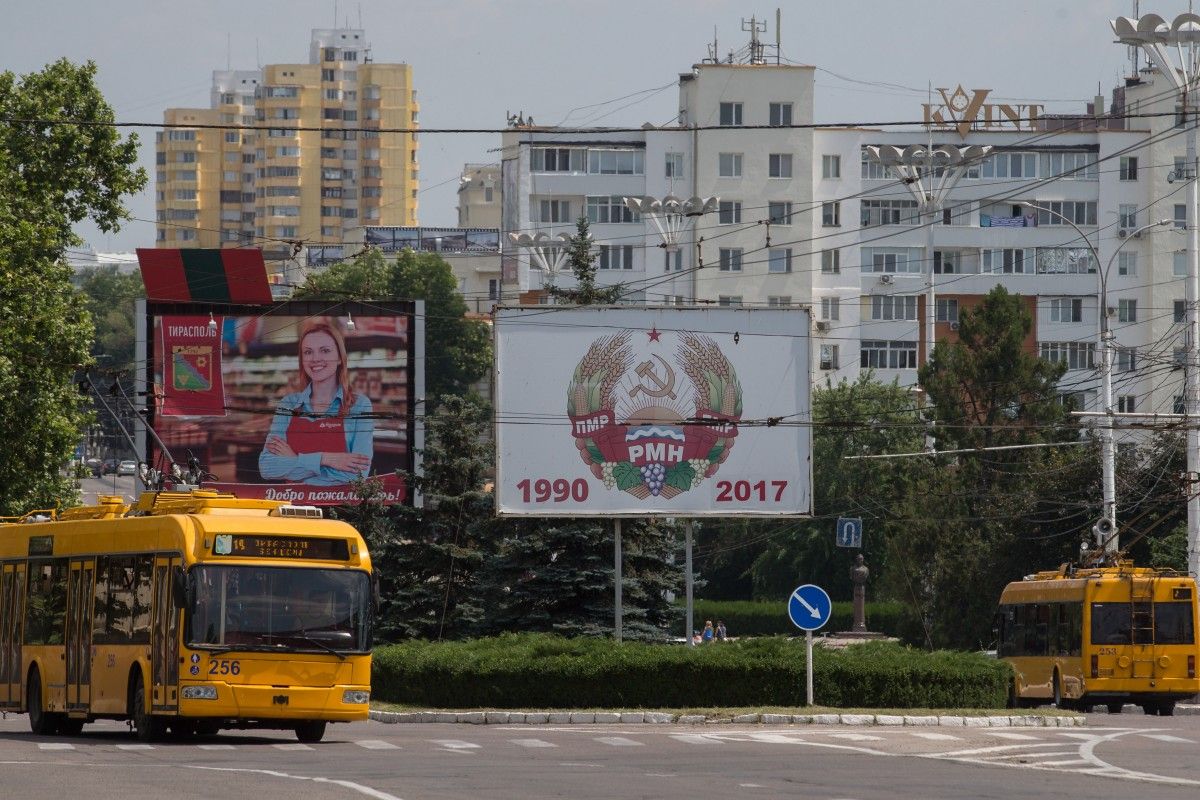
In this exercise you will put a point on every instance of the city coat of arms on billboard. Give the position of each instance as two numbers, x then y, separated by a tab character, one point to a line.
654	418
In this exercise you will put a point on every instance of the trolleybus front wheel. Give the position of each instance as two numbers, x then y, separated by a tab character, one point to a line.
41	722
311	730
147	726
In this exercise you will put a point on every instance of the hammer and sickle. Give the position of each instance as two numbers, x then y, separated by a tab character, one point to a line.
661	387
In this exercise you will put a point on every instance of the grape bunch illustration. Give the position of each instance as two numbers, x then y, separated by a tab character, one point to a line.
652	475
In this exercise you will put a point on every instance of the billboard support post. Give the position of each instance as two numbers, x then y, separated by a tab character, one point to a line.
687	580
617	579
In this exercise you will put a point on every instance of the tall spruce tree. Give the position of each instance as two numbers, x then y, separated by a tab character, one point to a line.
581	260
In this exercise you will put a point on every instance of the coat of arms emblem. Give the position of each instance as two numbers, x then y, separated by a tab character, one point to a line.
654	419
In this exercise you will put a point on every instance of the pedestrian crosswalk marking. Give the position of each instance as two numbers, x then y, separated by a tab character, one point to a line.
455	744
292	746
937	737
532	743
216	747
693	738
377	744
856	737
135	747
1018	737
618	741
55	746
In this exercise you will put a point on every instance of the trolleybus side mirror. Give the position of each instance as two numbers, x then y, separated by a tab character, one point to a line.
179	588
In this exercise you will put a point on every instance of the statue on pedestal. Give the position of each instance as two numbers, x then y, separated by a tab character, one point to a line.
859	575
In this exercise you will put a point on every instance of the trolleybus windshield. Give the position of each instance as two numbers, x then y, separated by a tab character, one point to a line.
270	608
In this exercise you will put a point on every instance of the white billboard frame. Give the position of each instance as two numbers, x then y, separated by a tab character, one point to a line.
747	448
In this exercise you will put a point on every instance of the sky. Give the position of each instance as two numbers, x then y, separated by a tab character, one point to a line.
572	61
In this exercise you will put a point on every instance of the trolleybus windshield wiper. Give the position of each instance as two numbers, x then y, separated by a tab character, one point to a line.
341	656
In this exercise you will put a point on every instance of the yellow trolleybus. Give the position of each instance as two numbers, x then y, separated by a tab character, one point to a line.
1103	636
189	612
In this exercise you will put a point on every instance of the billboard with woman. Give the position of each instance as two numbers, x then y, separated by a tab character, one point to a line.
294	402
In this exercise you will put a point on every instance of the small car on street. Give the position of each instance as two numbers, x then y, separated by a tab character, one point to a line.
127	467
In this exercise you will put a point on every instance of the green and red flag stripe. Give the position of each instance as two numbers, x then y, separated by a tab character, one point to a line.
227	275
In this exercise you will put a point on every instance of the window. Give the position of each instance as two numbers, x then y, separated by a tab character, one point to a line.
174	135
616	162
674	165
673	259
1129	168
1127	215
1126	359
1076	355
185	157
731	259
831	167
731	114
831	214
831	308
729	165
829	356
46	602
891	307
1066	309
121	613
1009	165
1126	263
779	259
946	309
1180	311
779	114
779	213
729	299
616	256
1179	265
1080	212
1127	310
1010	261
779	165
729	212
610	208
1064	261
232	137
892	259
778	301
1070	166
889	212
555	159
875	354
282	91
946	262
1179	357
872	169
1177	405
186	194
831	262
1181	215
554	211
493	289
330	54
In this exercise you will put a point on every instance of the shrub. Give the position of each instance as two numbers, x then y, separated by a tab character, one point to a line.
540	671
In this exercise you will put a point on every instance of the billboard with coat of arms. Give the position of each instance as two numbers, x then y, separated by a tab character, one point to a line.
635	411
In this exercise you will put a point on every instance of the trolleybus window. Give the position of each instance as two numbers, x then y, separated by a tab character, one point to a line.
121	612
268	607
1173	623
46	605
1112	623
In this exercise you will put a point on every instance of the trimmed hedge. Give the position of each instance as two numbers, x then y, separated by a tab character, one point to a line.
769	618
541	671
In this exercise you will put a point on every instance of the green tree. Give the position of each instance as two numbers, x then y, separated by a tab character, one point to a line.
458	349
111	297
581	260
53	174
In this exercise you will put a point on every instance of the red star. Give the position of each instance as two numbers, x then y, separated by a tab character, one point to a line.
653	334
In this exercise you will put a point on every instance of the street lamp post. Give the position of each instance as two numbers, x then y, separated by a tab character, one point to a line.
1154	36
547	253
1107	539
915	166
673	217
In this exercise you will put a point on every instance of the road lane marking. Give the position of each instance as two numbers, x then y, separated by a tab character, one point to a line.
367	791
774	738
532	743
619	741
55	746
1075	762
856	737
997	749
216	747
377	744
1166	737
291	746
936	737
1016	737
135	747
1022	754
455	744
694	738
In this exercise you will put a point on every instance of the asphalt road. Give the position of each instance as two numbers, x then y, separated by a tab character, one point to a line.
124	485
1150	757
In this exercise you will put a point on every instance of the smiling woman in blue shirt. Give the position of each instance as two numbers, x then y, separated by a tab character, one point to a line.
322	434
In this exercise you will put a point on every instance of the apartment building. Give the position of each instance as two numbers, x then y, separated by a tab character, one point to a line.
479	196
296	153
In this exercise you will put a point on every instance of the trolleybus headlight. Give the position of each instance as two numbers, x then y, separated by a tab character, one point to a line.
199	693
356	696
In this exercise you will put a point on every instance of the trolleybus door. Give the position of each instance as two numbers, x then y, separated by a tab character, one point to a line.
79	635
164	639
12	603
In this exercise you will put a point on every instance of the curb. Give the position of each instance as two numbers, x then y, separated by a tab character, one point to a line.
665	718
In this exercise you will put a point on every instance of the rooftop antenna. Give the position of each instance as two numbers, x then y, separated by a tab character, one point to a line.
228	52
335	12
712	49
257	54
756	47
1135	52
778	36
360	16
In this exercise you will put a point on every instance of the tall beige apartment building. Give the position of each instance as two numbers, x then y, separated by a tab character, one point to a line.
292	153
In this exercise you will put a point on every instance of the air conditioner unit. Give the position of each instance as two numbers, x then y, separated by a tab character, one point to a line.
822	325
953	326
1121	234
886	278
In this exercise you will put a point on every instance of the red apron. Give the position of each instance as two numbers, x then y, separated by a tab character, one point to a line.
316	435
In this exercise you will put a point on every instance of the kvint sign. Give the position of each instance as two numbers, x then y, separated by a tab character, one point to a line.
962	112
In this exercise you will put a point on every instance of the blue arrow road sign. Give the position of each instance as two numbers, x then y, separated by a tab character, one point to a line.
809	607
849	532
